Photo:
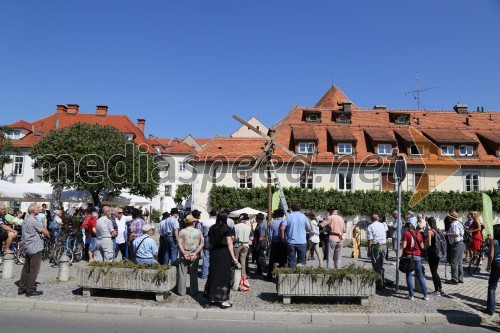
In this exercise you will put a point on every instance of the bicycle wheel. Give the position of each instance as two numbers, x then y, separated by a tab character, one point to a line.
78	252
20	256
61	251
474	264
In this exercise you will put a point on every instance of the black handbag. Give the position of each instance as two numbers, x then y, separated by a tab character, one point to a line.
406	264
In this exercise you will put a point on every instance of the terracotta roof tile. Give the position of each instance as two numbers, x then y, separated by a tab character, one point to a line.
493	136
448	136
21	124
304	133
342	133
380	135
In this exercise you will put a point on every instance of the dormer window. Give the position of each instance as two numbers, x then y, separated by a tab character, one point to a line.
401	119
311	116
344	148
306	147
342	118
466	150
414	150
384	149
448	150
13	135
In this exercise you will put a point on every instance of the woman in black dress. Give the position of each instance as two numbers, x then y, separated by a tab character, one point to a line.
221	258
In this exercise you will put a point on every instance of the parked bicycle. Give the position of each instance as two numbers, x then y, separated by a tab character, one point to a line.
477	258
71	245
18	250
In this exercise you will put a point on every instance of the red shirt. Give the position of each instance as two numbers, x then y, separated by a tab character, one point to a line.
411	246
92	223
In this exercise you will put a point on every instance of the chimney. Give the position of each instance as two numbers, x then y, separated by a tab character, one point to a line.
380	107
72	109
467	121
346	106
61	109
140	124
101	111
461	108
33	128
151	137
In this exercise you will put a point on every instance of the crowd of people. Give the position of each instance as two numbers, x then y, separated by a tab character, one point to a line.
222	242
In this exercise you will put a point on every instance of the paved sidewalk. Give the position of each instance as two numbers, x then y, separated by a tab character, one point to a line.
462	299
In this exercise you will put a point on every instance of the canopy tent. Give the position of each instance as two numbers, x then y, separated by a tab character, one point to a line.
250	211
43	192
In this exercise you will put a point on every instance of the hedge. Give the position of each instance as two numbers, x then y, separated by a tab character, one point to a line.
351	203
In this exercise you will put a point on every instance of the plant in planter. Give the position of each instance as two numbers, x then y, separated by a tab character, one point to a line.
127	276
349	281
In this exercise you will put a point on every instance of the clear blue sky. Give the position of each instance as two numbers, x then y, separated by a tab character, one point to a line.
187	66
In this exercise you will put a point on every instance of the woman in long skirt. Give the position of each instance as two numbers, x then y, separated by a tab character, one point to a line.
221	258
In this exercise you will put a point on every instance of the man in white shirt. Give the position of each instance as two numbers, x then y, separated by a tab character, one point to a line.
242	236
121	221
206	248
456	239
376	235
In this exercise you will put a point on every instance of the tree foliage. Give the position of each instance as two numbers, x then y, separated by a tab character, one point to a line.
183	192
6	148
95	158
351	203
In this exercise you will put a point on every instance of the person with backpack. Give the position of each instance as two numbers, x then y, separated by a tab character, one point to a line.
436	249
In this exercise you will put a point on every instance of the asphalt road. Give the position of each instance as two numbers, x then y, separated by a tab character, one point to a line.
17	321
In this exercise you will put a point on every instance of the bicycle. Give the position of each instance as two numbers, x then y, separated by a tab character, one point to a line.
18	251
476	258
64	248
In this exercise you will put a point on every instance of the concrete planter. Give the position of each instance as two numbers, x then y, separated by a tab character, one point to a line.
289	285
127	279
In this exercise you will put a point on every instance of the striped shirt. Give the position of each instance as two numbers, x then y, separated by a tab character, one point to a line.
31	239
136	227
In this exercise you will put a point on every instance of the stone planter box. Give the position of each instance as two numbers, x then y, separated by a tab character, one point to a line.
289	285
126	279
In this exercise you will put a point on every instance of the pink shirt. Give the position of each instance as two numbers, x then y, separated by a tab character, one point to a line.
335	223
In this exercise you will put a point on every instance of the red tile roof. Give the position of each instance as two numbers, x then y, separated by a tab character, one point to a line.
448	136
44	125
377	125
21	124
493	136
304	133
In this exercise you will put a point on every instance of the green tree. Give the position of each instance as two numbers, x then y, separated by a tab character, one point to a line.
95	158
183	192
6	148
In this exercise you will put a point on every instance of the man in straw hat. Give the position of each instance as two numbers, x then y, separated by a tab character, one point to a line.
456	240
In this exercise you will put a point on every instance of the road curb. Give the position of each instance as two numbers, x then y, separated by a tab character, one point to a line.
455	317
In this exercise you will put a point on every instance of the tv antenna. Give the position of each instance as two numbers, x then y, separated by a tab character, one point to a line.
416	93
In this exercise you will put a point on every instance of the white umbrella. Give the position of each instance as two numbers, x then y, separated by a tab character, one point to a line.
24	192
248	210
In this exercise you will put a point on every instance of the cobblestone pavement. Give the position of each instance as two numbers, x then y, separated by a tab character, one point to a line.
467	297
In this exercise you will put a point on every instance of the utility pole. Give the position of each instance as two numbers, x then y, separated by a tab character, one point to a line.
399	176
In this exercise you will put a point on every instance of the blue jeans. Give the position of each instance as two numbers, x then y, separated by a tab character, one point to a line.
296	252
171	251
492	286
206	261
148	262
420	276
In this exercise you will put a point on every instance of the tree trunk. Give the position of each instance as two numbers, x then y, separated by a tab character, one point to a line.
96	199
55	201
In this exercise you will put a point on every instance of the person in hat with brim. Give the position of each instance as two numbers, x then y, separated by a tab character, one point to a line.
190	246
145	247
455	237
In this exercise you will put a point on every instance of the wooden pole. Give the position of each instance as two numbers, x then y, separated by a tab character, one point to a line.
269	190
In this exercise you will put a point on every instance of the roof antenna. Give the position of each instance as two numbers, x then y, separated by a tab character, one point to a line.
416	93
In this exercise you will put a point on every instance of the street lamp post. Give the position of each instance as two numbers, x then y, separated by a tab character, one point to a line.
399	175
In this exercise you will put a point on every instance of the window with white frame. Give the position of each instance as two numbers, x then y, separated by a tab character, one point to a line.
245	179
465	150
18	165
306	148
14	135
471	182
345	181
306	178
345	148
448	150
182	166
384	149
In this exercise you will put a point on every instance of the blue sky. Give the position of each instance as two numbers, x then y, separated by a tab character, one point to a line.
187	66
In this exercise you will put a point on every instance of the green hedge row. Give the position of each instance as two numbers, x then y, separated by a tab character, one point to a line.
351	203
